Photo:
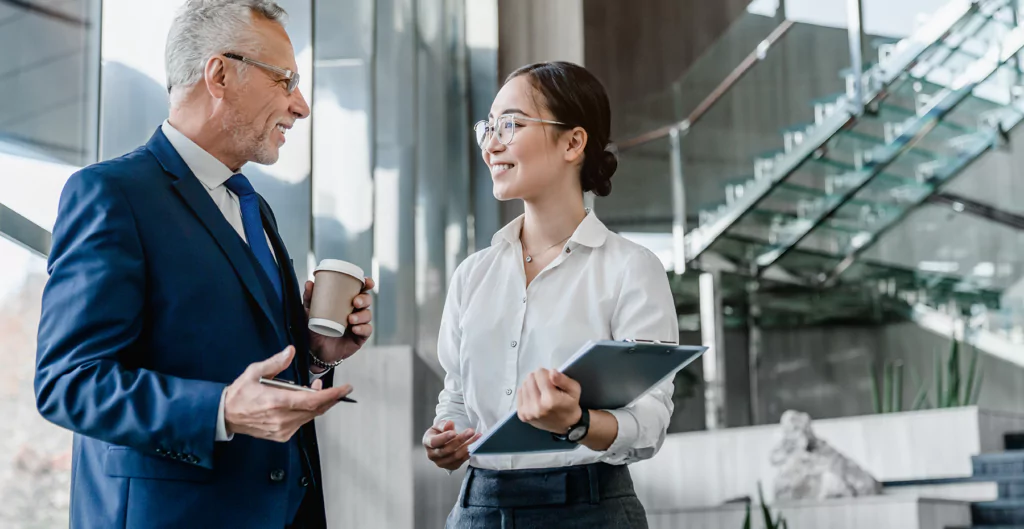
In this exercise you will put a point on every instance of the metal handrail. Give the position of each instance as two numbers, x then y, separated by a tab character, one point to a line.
754	57
18	229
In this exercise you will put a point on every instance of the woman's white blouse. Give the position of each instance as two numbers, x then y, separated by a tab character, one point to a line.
495	331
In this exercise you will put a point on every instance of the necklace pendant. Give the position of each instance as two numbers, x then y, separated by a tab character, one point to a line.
529	259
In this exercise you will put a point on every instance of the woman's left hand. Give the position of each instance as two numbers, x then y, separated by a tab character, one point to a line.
550	401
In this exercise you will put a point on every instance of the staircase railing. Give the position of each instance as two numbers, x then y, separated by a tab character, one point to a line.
750	61
666	140
880	148
831	117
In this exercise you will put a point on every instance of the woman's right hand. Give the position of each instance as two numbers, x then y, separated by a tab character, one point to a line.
447	448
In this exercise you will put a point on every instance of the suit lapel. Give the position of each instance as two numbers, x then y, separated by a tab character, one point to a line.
292	300
198	200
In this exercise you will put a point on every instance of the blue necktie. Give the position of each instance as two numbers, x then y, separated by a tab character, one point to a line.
253	224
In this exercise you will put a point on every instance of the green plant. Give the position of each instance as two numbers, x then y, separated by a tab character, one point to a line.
950	394
887	396
921	400
952	387
769	523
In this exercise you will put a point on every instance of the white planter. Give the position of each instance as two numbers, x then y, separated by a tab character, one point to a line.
703	469
879	512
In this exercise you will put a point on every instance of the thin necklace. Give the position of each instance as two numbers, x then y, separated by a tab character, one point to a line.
529	257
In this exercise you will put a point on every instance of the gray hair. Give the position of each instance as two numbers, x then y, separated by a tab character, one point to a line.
204	28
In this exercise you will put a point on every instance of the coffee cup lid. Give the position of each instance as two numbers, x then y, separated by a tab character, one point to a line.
344	267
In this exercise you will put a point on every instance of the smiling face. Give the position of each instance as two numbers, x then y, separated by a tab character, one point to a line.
540	157
259	110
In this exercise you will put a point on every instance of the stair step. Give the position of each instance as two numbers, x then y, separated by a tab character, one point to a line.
1014	441
1011	488
830	98
988	527
882	41
1002	464
1005	512
849	69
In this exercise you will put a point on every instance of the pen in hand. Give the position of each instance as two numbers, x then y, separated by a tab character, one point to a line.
289	385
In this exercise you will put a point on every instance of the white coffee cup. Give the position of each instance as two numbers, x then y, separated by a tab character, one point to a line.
336	283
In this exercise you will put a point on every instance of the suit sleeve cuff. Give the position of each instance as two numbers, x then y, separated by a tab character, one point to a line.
222	427
629	430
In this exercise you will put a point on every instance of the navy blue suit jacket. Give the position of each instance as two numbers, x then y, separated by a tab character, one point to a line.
153	305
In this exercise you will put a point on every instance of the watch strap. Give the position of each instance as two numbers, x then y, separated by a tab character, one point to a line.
583	422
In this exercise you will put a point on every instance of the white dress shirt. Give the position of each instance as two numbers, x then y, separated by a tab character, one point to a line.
495	331
213	174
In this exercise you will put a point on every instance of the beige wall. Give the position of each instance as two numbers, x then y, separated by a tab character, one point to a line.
538	30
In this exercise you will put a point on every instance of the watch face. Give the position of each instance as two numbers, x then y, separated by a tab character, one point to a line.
577	433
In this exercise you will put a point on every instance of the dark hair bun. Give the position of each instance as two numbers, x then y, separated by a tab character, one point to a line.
596	174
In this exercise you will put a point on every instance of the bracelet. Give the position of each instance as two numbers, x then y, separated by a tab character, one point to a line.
320	363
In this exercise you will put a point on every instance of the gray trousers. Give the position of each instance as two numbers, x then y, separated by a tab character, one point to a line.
591	496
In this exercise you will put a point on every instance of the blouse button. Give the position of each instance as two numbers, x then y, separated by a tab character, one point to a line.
508	391
514	343
568	250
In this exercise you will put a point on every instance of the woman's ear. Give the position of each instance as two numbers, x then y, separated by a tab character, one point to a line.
577	144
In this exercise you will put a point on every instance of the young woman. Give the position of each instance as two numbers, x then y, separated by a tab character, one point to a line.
551	280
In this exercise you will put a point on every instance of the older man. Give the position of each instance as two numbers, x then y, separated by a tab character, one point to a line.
171	294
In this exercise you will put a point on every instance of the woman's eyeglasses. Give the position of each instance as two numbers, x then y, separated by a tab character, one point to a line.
504	128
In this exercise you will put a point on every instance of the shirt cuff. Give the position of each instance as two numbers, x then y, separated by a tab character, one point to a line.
629	431
222	427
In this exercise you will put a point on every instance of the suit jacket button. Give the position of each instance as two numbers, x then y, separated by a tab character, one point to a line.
304	482
277	475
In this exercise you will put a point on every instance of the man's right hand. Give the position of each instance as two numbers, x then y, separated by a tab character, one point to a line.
264	412
447	448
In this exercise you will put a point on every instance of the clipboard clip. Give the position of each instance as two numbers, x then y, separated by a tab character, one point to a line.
655	342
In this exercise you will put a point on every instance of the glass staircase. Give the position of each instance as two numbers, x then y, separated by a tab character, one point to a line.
802	219
841	181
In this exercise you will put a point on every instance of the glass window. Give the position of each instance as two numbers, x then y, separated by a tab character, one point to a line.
49	78
35	455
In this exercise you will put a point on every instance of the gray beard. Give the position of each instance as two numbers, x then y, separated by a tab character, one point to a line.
252	145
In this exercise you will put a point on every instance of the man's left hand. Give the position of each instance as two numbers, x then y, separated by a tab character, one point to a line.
550	401
357	331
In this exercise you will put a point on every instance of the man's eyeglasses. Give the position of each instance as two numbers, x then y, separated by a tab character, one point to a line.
292	77
504	127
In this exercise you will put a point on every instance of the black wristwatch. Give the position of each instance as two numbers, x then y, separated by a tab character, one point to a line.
577	431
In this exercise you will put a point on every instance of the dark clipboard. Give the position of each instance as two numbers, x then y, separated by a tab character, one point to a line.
612	375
